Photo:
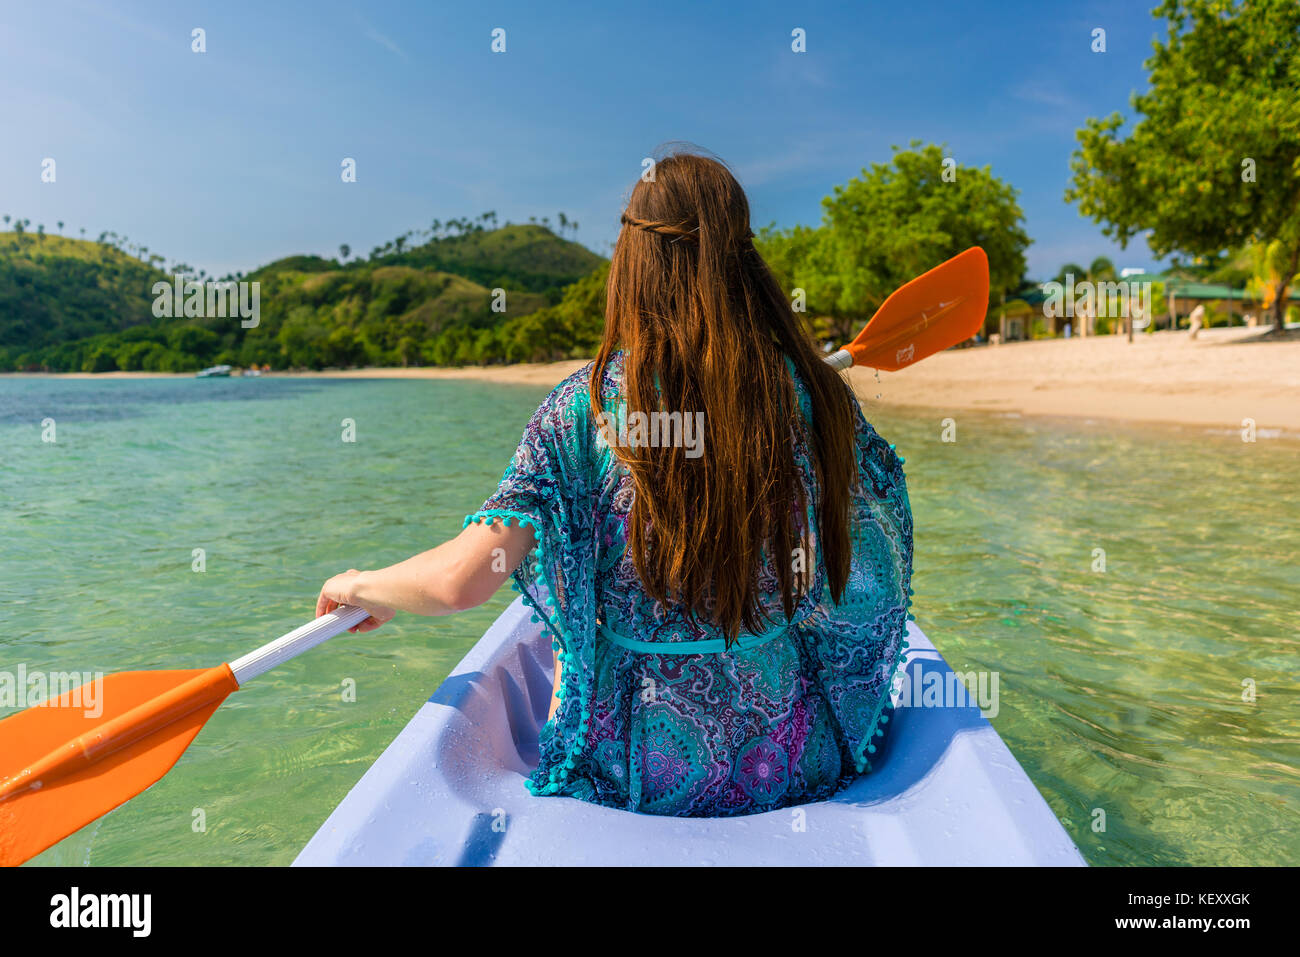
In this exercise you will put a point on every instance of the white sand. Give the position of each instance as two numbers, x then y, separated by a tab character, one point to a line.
1225	376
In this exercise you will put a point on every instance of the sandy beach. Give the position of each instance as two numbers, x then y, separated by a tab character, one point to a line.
1223	377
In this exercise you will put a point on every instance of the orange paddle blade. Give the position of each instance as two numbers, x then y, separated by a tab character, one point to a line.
934	311
68	761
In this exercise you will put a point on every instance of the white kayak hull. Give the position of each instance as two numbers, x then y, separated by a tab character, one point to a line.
450	790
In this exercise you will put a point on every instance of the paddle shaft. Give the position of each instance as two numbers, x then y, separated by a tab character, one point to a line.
840	359
308	636
201	690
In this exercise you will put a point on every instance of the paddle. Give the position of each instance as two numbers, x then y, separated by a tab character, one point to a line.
61	768
934	311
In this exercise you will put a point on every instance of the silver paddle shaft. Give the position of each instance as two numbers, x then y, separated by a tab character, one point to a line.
840	360
303	638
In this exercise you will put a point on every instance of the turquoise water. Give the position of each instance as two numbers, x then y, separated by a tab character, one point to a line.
1120	690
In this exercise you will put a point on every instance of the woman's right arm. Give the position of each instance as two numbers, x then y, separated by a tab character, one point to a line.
459	574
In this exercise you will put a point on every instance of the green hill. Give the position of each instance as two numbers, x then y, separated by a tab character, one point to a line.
527	257
371	315
68	305
55	290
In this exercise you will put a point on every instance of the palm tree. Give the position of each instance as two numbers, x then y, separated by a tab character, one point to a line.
1102	270
1269	280
60	227
344	251
1070	269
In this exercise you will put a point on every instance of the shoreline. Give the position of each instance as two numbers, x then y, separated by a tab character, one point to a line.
1225	376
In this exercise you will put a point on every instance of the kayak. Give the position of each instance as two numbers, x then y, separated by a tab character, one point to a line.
449	790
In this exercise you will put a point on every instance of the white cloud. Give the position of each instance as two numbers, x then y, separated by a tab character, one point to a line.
373	34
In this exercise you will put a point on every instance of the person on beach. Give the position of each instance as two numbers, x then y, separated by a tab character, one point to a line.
717	542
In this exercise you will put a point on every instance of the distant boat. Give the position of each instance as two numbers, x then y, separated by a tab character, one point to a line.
252	372
212	372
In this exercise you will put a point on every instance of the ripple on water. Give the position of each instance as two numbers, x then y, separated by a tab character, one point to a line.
1121	691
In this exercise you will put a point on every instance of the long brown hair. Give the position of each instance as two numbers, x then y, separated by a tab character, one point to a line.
704	327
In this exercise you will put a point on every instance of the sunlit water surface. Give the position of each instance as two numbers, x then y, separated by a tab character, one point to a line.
1124	692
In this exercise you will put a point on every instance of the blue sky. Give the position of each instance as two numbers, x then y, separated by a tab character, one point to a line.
231	158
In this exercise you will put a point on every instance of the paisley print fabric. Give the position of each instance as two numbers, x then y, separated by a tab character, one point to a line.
791	717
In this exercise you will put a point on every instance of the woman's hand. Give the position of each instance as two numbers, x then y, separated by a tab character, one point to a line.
457	575
344	589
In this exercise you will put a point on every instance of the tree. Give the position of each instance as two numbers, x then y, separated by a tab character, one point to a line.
101	360
344	252
1267	262
1070	269
893	223
1211	162
60	225
1102	270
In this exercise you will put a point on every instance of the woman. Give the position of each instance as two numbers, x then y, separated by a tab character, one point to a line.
717	542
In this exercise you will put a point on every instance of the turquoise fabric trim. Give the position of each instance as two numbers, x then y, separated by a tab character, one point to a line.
551	621
708	646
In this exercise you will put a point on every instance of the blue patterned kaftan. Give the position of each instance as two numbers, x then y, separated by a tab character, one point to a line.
786	717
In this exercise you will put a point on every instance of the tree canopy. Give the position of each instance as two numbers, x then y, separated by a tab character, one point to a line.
1212	161
891	224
